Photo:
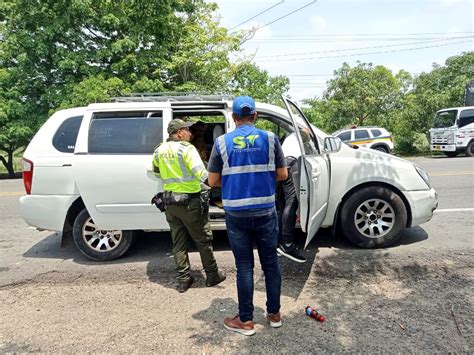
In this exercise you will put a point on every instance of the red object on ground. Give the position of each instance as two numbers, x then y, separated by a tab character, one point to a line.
311	312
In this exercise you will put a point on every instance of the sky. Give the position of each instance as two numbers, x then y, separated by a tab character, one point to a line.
307	40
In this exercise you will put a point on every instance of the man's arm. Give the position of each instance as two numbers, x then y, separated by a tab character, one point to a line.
214	166
195	164
155	166
214	179
280	163
281	174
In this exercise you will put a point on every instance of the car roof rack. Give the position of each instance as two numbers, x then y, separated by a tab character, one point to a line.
172	97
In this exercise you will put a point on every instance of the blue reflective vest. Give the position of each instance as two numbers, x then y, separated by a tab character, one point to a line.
248	173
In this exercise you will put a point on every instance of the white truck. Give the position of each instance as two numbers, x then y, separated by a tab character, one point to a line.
453	131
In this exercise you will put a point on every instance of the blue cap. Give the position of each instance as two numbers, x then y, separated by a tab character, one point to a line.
243	105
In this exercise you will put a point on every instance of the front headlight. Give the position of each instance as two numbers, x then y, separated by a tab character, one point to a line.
424	175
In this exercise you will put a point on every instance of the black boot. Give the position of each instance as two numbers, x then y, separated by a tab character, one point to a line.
215	279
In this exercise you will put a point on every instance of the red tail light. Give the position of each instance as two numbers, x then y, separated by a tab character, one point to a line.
27	175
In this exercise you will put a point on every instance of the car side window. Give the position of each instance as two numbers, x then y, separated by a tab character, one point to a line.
125	132
65	137
345	136
466	117
376	132
361	134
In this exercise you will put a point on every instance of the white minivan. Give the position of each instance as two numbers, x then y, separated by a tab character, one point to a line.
87	173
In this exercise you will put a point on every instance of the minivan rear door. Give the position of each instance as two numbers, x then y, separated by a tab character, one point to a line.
112	163
314	174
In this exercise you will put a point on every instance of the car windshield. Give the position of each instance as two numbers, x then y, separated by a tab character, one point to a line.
444	119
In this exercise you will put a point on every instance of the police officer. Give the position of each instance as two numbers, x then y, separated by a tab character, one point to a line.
182	171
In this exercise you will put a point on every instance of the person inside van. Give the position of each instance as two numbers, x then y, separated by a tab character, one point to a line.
198	131
288	202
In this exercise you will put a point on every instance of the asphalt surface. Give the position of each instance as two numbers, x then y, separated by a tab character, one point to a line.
414	296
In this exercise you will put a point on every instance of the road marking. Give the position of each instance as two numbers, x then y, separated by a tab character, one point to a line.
12	193
452	174
448	210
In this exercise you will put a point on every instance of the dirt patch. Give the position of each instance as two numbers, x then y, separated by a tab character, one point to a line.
373	301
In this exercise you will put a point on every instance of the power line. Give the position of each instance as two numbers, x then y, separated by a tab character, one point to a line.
359	48
359	54
260	13
288	14
379	34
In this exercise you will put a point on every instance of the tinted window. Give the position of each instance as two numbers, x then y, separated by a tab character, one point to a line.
466	117
361	134
345	136
376	132
65	137
118	133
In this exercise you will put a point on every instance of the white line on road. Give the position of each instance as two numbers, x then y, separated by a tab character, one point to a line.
447	210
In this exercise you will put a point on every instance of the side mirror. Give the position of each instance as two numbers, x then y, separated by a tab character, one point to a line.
332	144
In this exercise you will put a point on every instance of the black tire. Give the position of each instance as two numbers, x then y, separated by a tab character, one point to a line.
382	148
97	244
451	154
470	149
373	217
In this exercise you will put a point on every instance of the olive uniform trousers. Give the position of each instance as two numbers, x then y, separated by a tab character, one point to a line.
188	223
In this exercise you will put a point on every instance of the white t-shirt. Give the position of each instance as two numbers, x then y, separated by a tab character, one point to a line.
291	147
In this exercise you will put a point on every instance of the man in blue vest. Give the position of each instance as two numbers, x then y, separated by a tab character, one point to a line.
247	162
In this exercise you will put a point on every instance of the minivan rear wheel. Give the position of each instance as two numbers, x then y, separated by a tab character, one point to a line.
373	217
96	244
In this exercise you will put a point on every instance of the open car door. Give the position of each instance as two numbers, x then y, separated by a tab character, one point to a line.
314	176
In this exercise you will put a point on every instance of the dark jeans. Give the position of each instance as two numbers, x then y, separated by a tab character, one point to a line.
288	204
242	232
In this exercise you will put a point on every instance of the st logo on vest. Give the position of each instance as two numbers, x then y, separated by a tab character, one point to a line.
241	142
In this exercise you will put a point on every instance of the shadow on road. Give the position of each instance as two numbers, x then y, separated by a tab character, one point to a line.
155	249
372	301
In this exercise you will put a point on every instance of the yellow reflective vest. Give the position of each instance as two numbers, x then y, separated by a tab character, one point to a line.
179	166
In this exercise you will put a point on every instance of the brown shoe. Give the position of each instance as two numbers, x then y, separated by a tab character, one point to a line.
274	319
236	325
215	279
183	286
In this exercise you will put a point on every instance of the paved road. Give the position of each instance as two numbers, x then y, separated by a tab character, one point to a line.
73	294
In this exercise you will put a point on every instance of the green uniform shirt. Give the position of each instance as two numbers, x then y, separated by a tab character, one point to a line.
179	165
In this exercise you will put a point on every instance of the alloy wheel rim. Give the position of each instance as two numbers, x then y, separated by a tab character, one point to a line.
100	240
374	218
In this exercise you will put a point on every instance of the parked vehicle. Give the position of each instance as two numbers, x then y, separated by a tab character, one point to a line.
370	137
453	131
87	172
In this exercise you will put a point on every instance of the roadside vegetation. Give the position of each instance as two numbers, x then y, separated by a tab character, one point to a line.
55	55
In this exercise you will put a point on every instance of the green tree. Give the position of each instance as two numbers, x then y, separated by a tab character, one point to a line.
57	54
362	95
249	79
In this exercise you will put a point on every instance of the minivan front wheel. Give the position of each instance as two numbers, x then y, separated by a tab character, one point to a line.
97	244
373	217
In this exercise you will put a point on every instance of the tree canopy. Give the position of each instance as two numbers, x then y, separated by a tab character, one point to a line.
57	54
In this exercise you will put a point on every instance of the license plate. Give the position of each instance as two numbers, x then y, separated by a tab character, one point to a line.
437	147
